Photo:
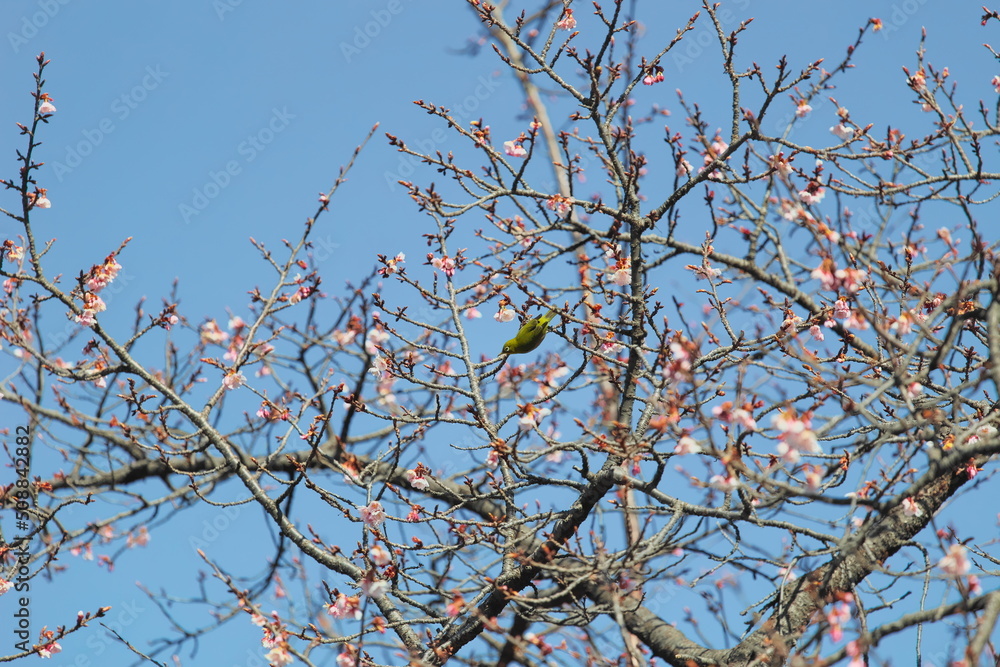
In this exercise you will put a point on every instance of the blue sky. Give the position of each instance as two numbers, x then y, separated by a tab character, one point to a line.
193	126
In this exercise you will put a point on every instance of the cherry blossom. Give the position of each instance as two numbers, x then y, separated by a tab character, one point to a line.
559	204
344	606
279	656
781	165
567	22
380	555
49	649
532	416
514	149
843	131
653	77
373	587
505	315
493	458
14	252
373	514
417	480
903	324
101	275
839	616
622	272
233	379
814	477
724	483
850	279
687	445
86	318
211	333
727	413
682	355
955	563
704	271
376	337
812	194
445	264
348	656
911	508
344	338
391	265
795	434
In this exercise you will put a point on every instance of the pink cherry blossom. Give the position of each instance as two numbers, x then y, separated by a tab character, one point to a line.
380	555
376	337
812	194
347	657
687	445
505	315
373	514
373	587
445	264
86	318
532	416
391	265
725	483
911	508
233	379
567	22
345	607
493	458
795	434
50	649
211	333
559	204
780	164
843	131
279	656
653	77
955	563
417	480
514	149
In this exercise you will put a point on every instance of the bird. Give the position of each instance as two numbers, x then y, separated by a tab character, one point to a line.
530	335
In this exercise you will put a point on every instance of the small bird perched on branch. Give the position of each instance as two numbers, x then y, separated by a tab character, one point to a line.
530	335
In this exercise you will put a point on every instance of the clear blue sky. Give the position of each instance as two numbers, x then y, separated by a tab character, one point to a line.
155	100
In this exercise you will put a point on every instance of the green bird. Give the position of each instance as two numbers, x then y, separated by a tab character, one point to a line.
530	335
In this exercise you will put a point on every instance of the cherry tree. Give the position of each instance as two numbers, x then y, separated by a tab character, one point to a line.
769	383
